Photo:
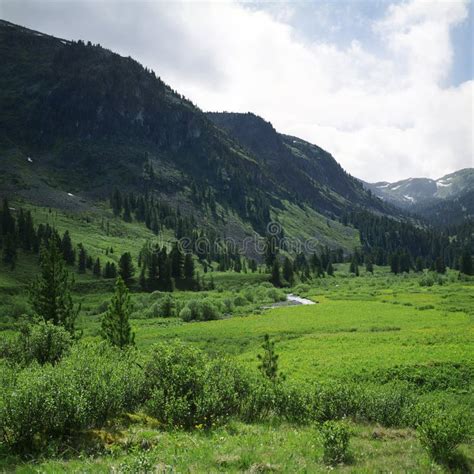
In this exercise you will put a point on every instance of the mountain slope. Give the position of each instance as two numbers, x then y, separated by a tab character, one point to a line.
78	120
424	191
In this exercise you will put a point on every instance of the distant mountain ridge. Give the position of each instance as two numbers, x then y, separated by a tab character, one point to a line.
412	191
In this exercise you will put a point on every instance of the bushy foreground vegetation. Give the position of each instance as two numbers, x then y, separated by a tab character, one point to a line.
43	405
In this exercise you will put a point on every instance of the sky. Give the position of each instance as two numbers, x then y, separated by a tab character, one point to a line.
385	86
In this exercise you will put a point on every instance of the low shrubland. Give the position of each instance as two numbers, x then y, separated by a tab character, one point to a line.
182	387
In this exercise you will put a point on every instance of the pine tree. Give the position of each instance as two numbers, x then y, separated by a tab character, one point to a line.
67	249
188	267
369	267
126	270
276	276
269	361
440	267
177	262
96	269
82	259
288	273
127	213
115	326
354	267
116	202
9	251
50	294
253	265
330	269
395	263
466	263
419	264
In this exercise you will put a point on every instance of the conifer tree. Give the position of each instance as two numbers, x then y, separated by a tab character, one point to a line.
466	266
116	202
50	294
82	260
126	270
330	269
288	274
67	249
276	276
115	327
369	267
440	267
127	213
419	264
269	361
10	251
188	268
96	269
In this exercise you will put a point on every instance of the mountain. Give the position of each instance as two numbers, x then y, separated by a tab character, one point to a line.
421	191
78	121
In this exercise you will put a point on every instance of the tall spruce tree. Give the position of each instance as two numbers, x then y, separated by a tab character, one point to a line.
466	266
126	269
288	273
67	249
50	294
276	275
115	326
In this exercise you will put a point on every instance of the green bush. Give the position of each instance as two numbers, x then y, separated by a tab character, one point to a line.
441	432
239	300
185	389
166	306
86	388
42	342
335	438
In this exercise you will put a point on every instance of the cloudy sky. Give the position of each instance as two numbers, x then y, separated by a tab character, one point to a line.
385	86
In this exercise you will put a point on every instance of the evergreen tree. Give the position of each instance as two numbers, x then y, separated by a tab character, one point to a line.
354	267
288	273
271	250
466	266
126	269
96	269
440	267
9	251
7	221
269	361
116	202
67	249
253	265
276	276
369	267
50	294
110	270
177	262
395	263
127	213
188	267
238	264
419	264
330	269
115	326
82	260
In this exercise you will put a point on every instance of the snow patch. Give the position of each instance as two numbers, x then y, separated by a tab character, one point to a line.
383	186
409	198
396	187
443	185
70	194
30	160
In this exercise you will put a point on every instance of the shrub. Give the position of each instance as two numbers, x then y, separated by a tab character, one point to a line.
209	311
335	438
166	306
440	433
185	314
91	385
42	342
240	301
186	389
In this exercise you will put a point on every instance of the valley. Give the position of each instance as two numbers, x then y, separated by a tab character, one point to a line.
189	291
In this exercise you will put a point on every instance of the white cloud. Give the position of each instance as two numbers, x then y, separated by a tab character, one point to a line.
383	116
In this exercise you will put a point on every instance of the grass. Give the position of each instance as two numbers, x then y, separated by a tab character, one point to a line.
364	328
